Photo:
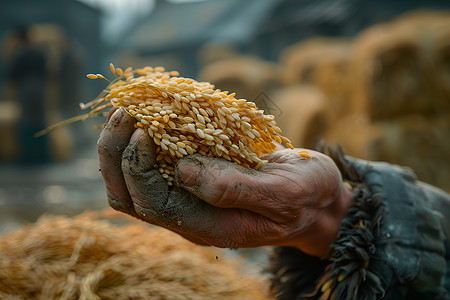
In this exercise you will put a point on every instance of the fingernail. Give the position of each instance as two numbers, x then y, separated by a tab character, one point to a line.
188	171
111	112
136	135
116	117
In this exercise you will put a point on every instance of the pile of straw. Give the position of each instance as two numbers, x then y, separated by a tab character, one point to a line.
396	70
304	114
332	77
401	73
317	88
245	75
300	62
440	57
89	257
419	142
388	71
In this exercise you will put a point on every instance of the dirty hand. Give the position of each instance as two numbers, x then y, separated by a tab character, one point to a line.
291	201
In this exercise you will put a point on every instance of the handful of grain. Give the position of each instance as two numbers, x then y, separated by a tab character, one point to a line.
184	117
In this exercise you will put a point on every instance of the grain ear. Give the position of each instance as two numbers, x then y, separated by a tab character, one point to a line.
184	116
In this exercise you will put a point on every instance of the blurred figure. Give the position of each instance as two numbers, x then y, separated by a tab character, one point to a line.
28	76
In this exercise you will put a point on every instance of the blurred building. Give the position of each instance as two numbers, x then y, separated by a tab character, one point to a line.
174	33
79	23
67	33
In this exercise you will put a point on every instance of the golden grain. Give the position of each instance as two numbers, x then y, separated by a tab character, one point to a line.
304	154
184	117
112	68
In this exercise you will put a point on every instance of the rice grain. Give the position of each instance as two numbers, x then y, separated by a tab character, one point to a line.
204	119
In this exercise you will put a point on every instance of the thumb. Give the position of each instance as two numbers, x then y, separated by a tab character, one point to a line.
226	184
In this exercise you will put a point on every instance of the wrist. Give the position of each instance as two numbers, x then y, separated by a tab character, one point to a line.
334	215
323	231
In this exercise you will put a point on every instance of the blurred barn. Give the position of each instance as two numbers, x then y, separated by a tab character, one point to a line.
68	35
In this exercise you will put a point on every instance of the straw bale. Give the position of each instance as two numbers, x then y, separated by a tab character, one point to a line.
107	256
433	31
325	63
303	115
245	75
419	142
392	68
387	72
300	61
332	77
440	66
354	132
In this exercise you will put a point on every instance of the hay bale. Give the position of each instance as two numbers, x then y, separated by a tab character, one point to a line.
388	72
303	117
391	69
300	61
354	132
325	63
332	77
419	142
440	65
433	33
89	257
245	75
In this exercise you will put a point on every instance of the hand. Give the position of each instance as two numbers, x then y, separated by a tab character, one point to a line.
291	201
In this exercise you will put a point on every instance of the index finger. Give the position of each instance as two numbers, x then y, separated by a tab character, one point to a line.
112	142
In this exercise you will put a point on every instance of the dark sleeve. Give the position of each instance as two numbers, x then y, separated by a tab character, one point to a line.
392	245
